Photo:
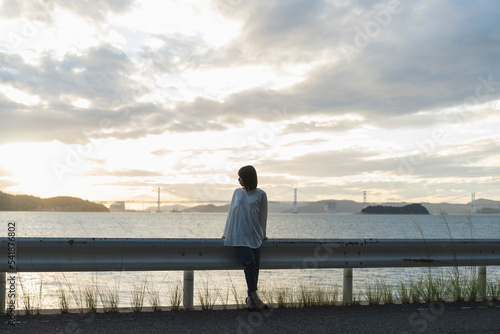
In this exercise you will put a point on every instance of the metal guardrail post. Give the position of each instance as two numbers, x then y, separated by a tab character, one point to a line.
481	277
3	290
347	295
187	296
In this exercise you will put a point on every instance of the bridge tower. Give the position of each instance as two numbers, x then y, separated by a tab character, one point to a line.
295	205
473	203
158	210
365	203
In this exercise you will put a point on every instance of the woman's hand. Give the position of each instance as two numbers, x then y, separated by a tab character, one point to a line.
223	237
264	239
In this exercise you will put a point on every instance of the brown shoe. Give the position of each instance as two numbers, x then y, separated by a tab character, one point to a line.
259	304
250	305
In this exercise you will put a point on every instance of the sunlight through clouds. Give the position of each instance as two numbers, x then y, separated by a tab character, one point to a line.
108	98
19	96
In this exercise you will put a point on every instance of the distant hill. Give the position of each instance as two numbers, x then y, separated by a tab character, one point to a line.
167	208
62	203
349	207
209	208
341	206
273	207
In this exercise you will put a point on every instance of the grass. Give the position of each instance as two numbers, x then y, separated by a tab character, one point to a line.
176	297
110	298
415	290
31	300
64	300
372	293
138	294
284	297
472	285
387	294
450	286
154	298
446	285
379	292
236	295
493	290
303	296
307	297
224	299
206	298
153	294
404	293
430	288
90	297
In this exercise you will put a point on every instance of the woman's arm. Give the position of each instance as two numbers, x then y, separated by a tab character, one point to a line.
263	214
229	216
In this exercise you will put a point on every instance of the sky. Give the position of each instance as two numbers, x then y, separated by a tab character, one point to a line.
109	100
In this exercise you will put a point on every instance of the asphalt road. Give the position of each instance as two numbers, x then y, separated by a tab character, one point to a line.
435	317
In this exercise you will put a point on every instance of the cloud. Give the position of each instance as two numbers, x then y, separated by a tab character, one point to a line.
418	62
289	23
100	75
122	173
311	142
4	184
284	32
324	164
429	68
321	127
161	152
468	161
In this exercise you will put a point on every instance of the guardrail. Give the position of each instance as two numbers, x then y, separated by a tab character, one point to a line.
128	254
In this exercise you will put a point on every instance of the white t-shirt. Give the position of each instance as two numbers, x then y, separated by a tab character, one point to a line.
247	218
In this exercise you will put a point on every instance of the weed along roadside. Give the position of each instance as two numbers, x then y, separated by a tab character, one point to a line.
442	285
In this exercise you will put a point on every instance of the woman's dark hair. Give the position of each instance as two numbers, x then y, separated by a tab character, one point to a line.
248	176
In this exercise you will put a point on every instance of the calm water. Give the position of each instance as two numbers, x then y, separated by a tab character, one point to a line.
211	225
201	225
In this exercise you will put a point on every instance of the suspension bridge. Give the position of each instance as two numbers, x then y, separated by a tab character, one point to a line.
170	197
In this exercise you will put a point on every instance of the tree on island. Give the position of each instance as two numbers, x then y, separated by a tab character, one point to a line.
411	209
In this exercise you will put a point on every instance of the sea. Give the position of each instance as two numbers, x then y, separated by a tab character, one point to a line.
227	287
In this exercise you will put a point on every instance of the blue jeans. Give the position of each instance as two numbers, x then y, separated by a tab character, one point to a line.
250	258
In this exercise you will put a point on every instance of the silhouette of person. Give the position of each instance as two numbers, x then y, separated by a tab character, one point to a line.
246	230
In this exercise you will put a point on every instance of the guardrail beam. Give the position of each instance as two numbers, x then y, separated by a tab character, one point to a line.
125	254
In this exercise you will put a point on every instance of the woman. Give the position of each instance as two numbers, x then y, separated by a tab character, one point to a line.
246	230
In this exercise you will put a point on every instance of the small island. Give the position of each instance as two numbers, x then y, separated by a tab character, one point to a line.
61	203
488	211
411	209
